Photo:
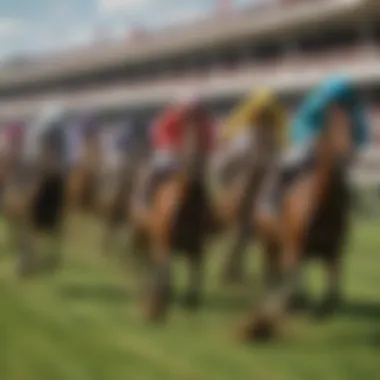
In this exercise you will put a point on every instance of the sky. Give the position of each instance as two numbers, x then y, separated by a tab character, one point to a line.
38	26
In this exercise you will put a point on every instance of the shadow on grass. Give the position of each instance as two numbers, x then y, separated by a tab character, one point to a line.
104	293
361	309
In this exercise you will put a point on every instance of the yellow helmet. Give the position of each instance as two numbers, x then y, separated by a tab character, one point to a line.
248	111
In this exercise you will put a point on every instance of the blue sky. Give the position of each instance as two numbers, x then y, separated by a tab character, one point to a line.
43	25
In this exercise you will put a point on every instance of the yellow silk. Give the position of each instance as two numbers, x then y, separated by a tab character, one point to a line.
246	113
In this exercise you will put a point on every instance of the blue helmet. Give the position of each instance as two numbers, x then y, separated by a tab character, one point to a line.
310	119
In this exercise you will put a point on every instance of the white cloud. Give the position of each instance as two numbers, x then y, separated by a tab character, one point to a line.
113	6
179	15
10	27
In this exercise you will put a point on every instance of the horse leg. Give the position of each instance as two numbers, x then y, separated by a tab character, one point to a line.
233	269
160	289
192	296
272	277
160	286
272	272
330	302
291	232
262	325
299	300
161	233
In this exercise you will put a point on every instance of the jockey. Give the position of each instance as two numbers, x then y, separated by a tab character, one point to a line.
118	145
311	120
247	113
108	152
128	137
88	126
256	126
11	138
168	136
46	134
334	95
168	131
81	133
74	138
125	140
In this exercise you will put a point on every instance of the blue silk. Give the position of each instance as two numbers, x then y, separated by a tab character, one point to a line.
309	122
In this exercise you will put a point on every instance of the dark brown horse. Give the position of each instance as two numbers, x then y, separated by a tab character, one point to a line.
35	199
304	214
176	219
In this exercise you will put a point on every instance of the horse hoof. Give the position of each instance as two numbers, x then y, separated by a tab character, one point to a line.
259	330
262	330
157	306
191	301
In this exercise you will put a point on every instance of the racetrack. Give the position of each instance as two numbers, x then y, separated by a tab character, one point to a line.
83	324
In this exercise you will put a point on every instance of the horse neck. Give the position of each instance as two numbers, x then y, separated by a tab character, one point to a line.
328	178
194	167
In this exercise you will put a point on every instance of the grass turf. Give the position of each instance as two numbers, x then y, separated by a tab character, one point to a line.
83	323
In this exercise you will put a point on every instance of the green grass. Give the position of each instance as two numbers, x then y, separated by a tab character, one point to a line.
84	324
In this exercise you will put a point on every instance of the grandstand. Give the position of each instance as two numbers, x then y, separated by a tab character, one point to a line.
288	45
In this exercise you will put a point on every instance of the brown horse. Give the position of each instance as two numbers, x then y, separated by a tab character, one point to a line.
304	214
176	219
243	172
